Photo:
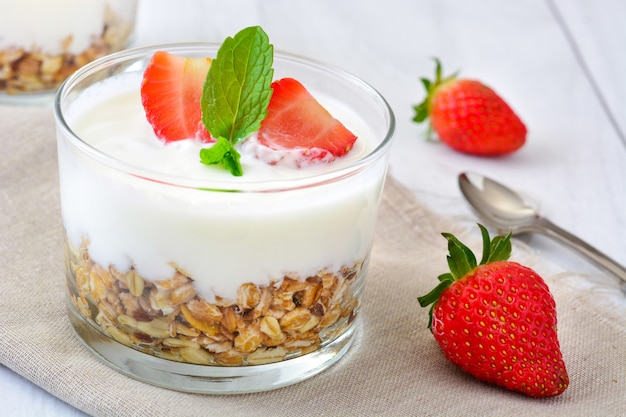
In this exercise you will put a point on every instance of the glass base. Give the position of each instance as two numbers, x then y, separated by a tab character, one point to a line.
206	379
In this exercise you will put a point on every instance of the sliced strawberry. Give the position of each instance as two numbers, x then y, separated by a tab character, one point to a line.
171	92
296	120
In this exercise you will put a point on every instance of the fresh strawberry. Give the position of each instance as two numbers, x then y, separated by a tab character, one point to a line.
497	320
296	120
171	92
470	117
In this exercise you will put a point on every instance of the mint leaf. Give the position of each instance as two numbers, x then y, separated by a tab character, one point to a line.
236	95
222	153
237	89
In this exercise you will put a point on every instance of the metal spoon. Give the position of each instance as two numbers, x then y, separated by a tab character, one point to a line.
505	210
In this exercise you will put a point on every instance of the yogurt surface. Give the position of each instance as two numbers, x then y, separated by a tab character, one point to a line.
128	137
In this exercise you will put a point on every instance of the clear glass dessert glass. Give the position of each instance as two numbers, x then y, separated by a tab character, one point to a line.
43	41
265	276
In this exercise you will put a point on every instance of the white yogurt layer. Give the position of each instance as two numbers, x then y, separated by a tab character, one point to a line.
222	239
46	25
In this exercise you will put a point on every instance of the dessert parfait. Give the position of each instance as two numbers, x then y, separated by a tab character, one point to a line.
43	41
219	205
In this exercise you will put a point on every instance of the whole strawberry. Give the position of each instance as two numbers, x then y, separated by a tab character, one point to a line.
497	320
470	117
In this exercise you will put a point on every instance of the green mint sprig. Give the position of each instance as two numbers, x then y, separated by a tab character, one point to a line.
236	95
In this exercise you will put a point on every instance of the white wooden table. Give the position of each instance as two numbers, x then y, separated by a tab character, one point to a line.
559	63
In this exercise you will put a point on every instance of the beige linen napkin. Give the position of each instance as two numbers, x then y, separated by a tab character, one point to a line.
394	368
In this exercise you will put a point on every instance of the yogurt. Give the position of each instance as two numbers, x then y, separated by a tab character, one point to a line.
222	239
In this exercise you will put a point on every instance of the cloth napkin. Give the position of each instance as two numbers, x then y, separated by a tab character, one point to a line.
394	368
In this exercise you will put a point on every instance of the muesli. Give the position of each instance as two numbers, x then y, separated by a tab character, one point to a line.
264	324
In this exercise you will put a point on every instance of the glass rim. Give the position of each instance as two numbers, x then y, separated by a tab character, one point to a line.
239	184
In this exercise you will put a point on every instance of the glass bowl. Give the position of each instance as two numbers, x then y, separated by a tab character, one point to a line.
43	41
216	283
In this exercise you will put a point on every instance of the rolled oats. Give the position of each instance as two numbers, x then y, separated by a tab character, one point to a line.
135	283
168	319
270	326
248	296
218	347
196	355
264	355
310	324
295	319
156	329
179	342
119	335
248	339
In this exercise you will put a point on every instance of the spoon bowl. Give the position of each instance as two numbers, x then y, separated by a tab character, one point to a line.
505	210
495	204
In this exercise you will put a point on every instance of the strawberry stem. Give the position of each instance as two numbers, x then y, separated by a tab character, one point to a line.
486	244
422	110
502	250
461	261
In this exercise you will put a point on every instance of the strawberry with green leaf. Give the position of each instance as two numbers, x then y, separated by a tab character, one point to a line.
224	100
219	101
469	116
497	319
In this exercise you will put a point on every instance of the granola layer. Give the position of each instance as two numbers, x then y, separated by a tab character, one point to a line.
168	319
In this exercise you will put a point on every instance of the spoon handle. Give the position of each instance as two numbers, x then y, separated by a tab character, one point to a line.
598	258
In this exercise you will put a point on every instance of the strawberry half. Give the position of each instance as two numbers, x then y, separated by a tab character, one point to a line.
170	93
497	320
296	120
